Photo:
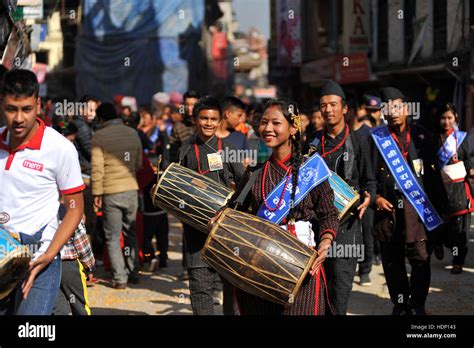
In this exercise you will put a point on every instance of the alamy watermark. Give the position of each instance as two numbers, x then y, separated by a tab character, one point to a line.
395	108
346	251
239	156
68	108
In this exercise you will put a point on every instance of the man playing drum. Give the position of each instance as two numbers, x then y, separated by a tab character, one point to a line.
203	155
347	154
37	164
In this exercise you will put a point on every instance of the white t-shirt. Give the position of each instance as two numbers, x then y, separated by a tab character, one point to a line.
31	180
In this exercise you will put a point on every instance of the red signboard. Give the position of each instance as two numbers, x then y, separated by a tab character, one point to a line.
353	68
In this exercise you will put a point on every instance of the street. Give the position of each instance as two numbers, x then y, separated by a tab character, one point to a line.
165	293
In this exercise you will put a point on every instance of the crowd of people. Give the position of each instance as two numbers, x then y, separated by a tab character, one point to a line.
415	199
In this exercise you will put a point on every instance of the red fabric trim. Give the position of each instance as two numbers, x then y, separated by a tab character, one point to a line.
328	231
73	190
318	285
34	143
407	141
471	202
323	139
461	212
282	162
458	180
9	160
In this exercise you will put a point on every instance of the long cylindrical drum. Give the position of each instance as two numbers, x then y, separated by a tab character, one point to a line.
14	262
345	197
191	197
257	256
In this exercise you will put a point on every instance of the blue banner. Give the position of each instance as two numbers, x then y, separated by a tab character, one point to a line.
450	147
313	172
404	177
140	47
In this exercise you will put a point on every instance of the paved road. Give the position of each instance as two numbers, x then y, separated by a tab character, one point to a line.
165	293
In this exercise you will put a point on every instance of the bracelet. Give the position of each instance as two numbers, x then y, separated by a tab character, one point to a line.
332	240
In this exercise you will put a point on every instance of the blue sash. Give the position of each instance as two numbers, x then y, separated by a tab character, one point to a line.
311	173
449	149
404	177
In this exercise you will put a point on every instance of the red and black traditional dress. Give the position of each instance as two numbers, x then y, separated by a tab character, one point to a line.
457	198
318	207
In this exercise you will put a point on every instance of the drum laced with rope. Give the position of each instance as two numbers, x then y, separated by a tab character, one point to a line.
257	256
345	197
191	197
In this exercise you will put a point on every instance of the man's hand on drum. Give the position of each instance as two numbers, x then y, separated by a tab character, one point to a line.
323	248
365	204
382	204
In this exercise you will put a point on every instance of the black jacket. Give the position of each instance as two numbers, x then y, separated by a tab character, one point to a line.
421	147
455	195
83	142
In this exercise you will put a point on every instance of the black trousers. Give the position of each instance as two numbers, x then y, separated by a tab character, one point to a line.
156	225
455	235
404	291
340	271
368	236
72	294
201	288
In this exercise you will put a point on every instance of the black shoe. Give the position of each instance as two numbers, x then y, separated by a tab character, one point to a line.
365	280
439	252
119	286
133	278
163	264
457	269
418	311
377	260
400	310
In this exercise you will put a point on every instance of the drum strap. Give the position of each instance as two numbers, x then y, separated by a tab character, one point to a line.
248	186
183	153
348	147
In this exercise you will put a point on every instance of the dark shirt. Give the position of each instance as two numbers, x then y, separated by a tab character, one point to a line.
361	176
317	205
364	131
83	142
181	133
231	172
393	226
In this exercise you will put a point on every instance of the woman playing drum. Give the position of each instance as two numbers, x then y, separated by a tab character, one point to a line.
281	131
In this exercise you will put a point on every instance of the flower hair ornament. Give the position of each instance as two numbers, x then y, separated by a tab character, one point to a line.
296	119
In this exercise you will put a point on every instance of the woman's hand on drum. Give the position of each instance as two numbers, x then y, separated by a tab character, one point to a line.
383	204
36	266
323	248
365	204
